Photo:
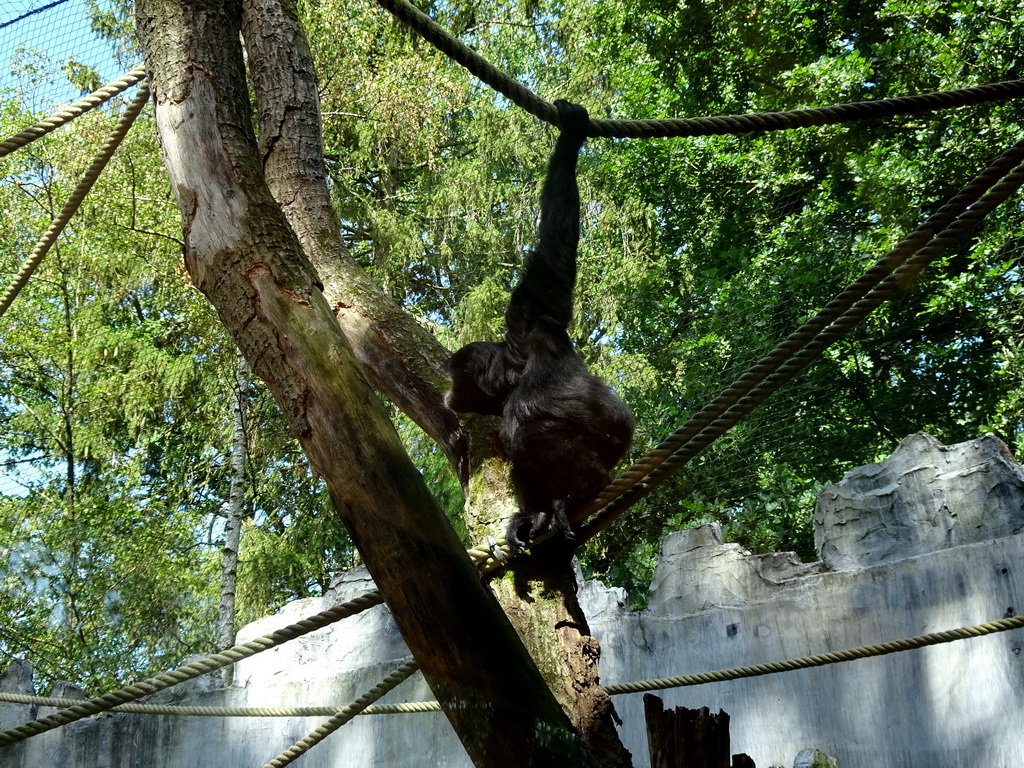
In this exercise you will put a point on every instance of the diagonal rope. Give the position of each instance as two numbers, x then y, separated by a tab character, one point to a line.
477	65
346	714
77	196
33	12
805	662
836	319
518	94
189	671
67	114
884	267
843	325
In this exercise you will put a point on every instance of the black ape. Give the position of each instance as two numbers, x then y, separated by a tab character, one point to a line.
562	429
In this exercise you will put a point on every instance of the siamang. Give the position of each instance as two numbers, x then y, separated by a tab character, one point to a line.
562	429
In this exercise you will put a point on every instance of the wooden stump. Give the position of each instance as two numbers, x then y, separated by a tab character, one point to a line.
689	738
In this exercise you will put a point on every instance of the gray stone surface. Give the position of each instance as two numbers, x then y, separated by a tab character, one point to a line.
951	705
16	678
713	606
925	497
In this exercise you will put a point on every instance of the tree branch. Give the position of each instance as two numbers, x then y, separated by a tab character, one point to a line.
398	356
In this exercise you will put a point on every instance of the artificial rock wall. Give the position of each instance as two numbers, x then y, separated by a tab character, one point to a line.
928	540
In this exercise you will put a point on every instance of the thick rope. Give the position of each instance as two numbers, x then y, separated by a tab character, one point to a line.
189	671
67	114
836	319
844	324
186	711
477	65
942	218
504	84
405	708
804	662
77	196
703	678
345	715
483	557
121	700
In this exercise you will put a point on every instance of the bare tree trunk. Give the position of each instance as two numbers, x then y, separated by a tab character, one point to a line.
689	738
234	513
241	253
405	363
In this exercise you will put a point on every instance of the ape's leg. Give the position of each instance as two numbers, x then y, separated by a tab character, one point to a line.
558	520
527	526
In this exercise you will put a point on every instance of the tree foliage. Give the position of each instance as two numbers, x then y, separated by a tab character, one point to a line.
698	256
115	392
108	407
701	254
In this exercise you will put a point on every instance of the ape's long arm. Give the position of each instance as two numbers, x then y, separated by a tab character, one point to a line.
544	294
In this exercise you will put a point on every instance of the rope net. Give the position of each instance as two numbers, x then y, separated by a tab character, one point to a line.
52	55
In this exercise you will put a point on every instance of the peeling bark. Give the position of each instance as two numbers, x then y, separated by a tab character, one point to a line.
591	710
548	617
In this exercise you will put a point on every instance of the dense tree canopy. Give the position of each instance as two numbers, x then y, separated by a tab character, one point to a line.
698	256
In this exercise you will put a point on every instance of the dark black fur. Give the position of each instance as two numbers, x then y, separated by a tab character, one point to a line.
562	429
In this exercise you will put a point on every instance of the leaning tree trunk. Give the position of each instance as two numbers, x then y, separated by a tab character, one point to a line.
405	363
241	253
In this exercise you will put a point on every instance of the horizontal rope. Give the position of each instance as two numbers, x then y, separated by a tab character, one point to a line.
190	711
523	97
736	673
67	114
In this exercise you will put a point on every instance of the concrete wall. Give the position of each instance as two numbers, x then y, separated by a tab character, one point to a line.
929	540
